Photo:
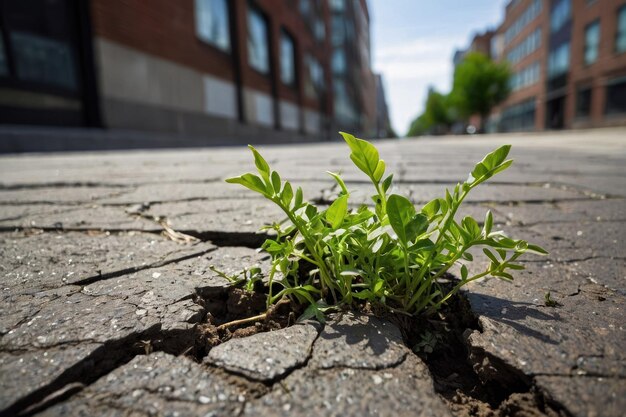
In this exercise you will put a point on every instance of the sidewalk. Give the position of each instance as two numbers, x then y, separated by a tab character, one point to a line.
102	308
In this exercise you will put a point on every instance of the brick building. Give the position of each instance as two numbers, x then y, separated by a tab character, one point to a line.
213	68
568	59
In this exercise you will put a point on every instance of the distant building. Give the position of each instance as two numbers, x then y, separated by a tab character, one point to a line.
211	68
568	59
481	42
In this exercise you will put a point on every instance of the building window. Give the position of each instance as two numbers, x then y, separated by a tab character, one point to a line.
531	12
558	61
315	77
212	23
258	52
519	116
338	62
583	102
592	42
337	5
527	76
620	41
4	67
616	96
561	13
529	45
287	59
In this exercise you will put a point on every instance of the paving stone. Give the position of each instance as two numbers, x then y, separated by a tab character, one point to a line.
266	356
51	195
534	339
158	385
358	341
81	217
224	216
587	396
23	373
564	212
405	390
49	260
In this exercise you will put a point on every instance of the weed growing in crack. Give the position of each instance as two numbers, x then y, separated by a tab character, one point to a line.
393	255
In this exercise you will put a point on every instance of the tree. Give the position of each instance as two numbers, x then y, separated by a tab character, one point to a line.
479	85
438	115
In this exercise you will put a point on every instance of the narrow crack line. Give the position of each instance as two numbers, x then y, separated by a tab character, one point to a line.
126	271
62	184
95	184
129	203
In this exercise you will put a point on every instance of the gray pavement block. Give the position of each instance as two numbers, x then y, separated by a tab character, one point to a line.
404	390
23	373
266	356
585	396
373	343
52	259
157	384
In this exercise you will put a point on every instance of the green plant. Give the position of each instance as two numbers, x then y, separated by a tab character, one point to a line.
392	255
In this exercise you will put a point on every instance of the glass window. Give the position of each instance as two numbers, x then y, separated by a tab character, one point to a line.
4	67
583	102
212	23
287	59
616	96
339	61
337	5
620	41
43	60
558	60
592	42
315	77
560	14
258	53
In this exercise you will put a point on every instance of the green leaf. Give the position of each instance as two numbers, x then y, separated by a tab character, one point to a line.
298	201
337	211
387	183
287	194
379	171
276	182
261	164
339	180
250	181
400	212
491	256
488	223
537	249
364	155
463	272
431	208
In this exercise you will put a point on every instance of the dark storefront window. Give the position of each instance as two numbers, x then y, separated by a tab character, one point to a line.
212	23
583	102
592	42
258	52
4	68
616	96
287	59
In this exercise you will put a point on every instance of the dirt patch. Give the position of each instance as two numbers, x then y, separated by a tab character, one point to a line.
440	341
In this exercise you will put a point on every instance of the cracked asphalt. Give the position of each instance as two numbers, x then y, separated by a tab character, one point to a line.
100	304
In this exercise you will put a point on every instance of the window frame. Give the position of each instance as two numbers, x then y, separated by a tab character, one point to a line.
208	41
621	10
251	10
285	34
586	46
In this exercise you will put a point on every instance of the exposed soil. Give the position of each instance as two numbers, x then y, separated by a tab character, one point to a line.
440	341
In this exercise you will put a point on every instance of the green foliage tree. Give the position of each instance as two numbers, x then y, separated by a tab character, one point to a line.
439	114
479	85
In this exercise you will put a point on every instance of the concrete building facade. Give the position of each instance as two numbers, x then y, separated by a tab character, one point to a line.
211	68
568	63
